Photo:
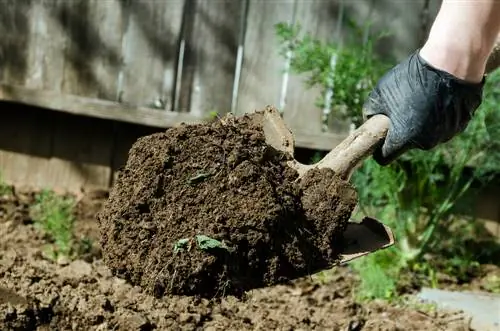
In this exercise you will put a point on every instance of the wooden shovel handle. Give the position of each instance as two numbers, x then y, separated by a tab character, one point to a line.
361	143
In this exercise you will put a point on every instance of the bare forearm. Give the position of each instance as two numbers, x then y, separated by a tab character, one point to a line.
463	36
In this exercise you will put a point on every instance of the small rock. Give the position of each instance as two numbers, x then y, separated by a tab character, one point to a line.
135	322
189	318
76	269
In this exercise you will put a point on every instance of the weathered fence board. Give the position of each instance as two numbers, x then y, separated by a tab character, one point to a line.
47	48
262	69
24	156
15	31
121	60
81	150
92	49
211	43
320	19
99	108
151	36
90	69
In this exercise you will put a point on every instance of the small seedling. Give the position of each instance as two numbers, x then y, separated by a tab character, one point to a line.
4	188
493	284
53	214
214	114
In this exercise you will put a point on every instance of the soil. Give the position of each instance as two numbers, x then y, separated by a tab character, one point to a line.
213	210
40	294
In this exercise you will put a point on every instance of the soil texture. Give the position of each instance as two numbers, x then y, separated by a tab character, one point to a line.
40	294
212	210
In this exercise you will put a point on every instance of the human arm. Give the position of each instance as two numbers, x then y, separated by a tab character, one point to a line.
431	96
462	37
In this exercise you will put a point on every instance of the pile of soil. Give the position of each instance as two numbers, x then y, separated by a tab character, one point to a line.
40	294
212	209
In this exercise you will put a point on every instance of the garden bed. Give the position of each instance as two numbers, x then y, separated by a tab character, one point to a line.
39	293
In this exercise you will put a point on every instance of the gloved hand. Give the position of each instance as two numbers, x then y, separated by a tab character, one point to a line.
426	107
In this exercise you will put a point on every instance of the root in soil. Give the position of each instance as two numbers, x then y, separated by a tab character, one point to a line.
212	210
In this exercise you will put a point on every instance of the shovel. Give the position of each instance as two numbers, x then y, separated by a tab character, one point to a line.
360	238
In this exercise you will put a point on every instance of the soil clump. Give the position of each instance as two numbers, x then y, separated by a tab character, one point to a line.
211	210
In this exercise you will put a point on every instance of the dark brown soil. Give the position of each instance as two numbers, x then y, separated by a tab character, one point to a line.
40	294
212	210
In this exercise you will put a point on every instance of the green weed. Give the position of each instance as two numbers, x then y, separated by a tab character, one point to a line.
357	67
4	188
493	284
420	194
53	215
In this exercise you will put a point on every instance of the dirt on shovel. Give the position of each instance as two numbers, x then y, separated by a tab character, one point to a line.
212	209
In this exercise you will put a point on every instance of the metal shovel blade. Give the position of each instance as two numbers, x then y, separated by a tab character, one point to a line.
365	237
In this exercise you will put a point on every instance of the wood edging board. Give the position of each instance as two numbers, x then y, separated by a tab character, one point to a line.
95	107
152	117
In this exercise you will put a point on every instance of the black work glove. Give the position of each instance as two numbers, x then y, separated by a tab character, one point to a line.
426	107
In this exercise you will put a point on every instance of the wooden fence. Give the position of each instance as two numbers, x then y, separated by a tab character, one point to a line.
80	80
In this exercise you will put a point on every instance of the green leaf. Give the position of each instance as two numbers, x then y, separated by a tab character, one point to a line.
181	244
199	177
206	243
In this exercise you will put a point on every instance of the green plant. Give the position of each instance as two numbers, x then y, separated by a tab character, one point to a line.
53	214
4	188
419	194
493	283
203	242
349	71
378	273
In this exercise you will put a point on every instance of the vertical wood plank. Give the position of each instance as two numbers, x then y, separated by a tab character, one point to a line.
319	18
26	159
210	56
150	52
262	69
14	29
94	32
92	41
24	145
81	152
47	45
71	50
401	19
31	156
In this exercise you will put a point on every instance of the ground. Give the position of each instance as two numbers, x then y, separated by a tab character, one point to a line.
39	294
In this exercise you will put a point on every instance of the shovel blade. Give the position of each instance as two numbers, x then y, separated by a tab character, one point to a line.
365	237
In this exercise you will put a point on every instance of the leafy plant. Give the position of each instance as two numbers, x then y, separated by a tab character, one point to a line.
53	214
4	188
418	195
350	70
205	243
